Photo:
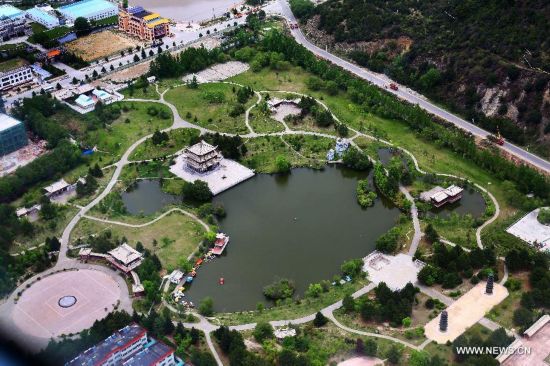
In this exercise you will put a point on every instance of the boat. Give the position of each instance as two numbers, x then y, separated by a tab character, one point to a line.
222	280
221	242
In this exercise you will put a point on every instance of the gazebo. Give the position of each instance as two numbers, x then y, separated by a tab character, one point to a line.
202	157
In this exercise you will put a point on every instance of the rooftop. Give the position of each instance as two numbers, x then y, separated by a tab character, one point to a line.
150	355
7	122
41	13
97	353
54	187
10	11
125	254
84	100
101	94
87	7
201	148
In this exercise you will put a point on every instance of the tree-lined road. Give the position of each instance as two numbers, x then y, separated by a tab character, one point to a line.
405	93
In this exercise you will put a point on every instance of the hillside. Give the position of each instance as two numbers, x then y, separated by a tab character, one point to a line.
479	58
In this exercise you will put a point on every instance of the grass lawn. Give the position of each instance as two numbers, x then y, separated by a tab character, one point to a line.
414	334
431	157
44	229
176	236
117	137
178	140
12	64
293	310
503	313
209	106
37	27
52	34
261	123
329	345
263	151
11	46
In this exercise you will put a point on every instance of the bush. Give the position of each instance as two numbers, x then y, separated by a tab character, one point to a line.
352	267
320	320
263	331
544	216
387	242
206	306
197	191
280	289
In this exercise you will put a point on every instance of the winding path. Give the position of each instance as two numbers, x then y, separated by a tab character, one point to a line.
204	324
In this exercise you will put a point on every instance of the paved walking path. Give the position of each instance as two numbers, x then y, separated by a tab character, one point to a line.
205	325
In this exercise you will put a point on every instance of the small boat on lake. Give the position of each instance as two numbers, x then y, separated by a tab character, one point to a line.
221	242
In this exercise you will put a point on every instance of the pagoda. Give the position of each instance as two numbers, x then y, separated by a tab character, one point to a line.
202	157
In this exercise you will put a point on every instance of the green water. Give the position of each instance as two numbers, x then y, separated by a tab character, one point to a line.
302	226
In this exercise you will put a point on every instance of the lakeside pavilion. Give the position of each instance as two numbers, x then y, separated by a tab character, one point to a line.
202	157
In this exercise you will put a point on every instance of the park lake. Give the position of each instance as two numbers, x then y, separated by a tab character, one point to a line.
301	226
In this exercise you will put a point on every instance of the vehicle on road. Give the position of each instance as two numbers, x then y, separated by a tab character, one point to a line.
393	86
496	139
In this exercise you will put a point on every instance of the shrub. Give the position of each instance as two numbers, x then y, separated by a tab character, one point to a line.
263	331
280	289
320	320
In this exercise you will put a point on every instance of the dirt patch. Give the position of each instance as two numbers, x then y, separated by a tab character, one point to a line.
101	44
130	73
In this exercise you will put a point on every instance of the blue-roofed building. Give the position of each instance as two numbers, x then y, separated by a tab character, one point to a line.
43	15
11	12
115	349
89	9
153	354
85	102
12	135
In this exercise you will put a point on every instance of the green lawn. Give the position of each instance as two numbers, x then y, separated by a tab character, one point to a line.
261	123
263	151
178	140
44	229
176	236
12	64
293	310
197	106
117	137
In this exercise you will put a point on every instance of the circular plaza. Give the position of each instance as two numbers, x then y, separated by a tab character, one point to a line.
66	302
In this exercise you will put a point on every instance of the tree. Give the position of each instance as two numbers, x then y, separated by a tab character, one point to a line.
523	317
282	164
280	289
431	233
320	320
371	347
348	303
81	26
352	267
263	331
206	306
197	191
314	290
95	171
394	355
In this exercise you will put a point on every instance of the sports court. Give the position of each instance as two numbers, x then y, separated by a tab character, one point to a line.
465	312
66	302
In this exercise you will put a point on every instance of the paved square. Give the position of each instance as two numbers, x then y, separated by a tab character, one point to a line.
539	346
38	312
228	174
395	271
529	229
465	312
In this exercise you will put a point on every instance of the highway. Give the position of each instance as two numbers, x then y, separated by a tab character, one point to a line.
409	95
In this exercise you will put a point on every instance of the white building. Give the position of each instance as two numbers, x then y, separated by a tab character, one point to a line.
43	15
85	102
14	77
102	96
89	9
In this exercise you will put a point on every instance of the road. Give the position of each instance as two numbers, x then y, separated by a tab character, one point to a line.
405	93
